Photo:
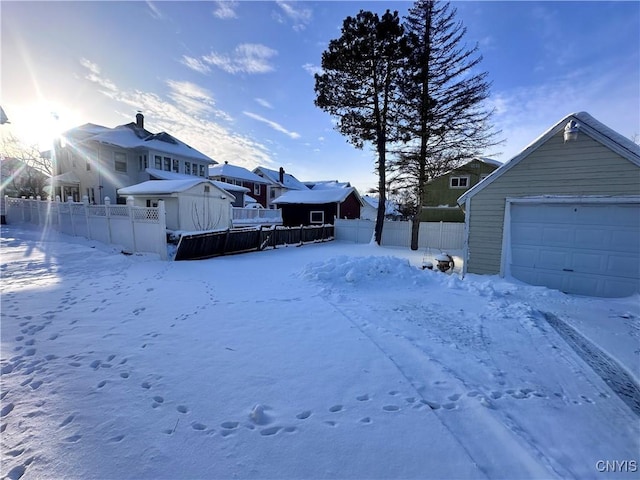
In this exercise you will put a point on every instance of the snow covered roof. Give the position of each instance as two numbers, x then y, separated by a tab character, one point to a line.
234	171
67	177
327	184
167	187
164	175
131	136
317	197
390	209
289	181
587	125
489	161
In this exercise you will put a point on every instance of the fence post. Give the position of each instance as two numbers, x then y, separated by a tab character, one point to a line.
38	209
226	240
73	227
85	201
59	213
259	238
107	211
130	203
162	230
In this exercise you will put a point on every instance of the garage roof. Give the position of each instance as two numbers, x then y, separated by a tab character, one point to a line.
588	125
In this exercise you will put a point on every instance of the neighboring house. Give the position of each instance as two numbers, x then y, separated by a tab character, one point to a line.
441	193
280	182
192	204
564	213
369	210
96	161
318	207
240	176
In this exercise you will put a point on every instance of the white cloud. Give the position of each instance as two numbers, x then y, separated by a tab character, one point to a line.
187	114
94	75
155	11
312	69
226	9
264	103
195	64
246	58
194	99
524	113
299	15
276	126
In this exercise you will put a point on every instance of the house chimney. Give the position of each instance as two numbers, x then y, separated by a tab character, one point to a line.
139	120
281	175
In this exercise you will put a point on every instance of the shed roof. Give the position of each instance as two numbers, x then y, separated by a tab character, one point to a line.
167	187
587	125
317	197
164	175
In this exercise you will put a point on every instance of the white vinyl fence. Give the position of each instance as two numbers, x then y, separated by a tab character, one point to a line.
135	229
441	235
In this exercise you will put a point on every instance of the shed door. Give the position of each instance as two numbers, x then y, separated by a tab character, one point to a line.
586	249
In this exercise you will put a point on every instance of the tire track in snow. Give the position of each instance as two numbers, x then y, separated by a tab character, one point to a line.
607	368
526	455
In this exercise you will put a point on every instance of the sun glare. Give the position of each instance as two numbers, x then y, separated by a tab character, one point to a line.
39	124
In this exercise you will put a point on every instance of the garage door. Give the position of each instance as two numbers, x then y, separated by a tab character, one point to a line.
585	249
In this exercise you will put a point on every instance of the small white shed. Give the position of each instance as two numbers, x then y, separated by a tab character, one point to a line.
192	204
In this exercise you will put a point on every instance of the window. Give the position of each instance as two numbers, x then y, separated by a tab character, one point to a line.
187	168
317	216
256	189
89	156
120	163
176	165
167	164
143	162
272	193
459	182
206	189
91	195
202	171
158	162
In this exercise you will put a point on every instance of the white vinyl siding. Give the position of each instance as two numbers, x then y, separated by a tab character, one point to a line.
583	167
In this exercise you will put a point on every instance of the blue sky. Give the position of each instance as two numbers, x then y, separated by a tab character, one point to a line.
235	79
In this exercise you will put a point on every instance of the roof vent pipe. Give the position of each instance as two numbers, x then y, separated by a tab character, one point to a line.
139	120
571	131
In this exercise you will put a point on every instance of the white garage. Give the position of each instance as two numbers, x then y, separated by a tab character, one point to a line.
585	246
563	213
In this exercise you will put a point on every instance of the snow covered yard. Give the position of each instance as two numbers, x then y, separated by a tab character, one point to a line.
326	361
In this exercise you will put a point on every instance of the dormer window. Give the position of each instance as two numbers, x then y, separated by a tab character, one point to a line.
458	182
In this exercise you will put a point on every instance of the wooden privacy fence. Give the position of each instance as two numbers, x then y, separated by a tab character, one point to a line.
441	235
196	246
134	229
